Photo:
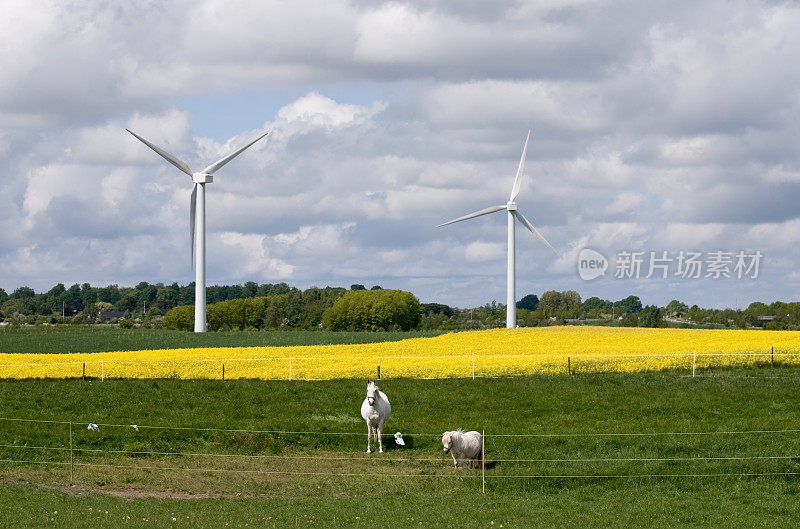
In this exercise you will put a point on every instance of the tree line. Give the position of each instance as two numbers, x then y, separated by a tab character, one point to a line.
82	303
334	309
553	308
280	306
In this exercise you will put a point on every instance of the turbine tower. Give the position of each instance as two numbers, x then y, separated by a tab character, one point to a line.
511	208
197	217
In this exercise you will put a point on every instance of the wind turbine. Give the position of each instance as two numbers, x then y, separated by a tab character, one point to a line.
197	216
511	207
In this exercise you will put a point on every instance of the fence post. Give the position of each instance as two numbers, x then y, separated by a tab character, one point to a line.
223	371
569	367
83	376
70	454
772	356
379	373
483	461
473	365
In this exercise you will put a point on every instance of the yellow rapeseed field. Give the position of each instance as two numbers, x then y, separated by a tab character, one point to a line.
482	353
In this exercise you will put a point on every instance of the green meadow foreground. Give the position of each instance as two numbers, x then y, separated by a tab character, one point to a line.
279	453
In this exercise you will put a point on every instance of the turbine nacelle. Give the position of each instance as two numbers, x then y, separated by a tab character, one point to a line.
511	206
202	178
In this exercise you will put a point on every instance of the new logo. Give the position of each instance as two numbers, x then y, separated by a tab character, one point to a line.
591	264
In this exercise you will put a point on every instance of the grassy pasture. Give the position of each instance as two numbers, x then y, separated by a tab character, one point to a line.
120	486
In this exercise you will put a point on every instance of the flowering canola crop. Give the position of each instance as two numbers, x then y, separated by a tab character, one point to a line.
482	353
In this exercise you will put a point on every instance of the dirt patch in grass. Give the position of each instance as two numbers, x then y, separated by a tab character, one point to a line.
130	492
326	474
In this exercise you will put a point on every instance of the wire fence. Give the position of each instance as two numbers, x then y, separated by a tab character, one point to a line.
309	368
63	446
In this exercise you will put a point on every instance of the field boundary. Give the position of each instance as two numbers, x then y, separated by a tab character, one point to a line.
354	366
435	469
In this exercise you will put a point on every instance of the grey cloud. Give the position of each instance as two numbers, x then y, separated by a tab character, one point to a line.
642	116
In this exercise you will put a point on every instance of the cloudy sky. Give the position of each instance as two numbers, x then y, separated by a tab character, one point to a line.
656	127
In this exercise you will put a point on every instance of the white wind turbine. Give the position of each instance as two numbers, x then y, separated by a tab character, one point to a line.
197	216
511	207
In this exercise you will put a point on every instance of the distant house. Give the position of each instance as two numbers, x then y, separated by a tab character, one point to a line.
765	318
111	314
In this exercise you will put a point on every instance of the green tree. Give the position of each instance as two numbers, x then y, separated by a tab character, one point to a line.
109	294
630	305
269	289
550	303
186	295
250	289
571	306
72	298
437	308
167	297
88	294
129	302
23	293
676	308
357	287
651	316
180	318
373	310
275	312
529	302
594	303
529	318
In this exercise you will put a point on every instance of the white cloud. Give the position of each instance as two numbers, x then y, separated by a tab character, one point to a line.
484	251
684	236
654	127
624	203
554	105
319	111
317	240
250	257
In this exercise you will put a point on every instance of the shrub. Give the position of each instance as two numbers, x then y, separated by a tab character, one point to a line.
180	318
373	310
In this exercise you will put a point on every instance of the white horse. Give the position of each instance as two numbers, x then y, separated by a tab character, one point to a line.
375	410
460	445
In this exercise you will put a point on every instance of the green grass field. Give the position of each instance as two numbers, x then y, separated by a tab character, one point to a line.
203	476
67	339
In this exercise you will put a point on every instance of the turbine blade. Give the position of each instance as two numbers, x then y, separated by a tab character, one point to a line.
533	230
192	211
222	161
518	178
180	164
476	214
